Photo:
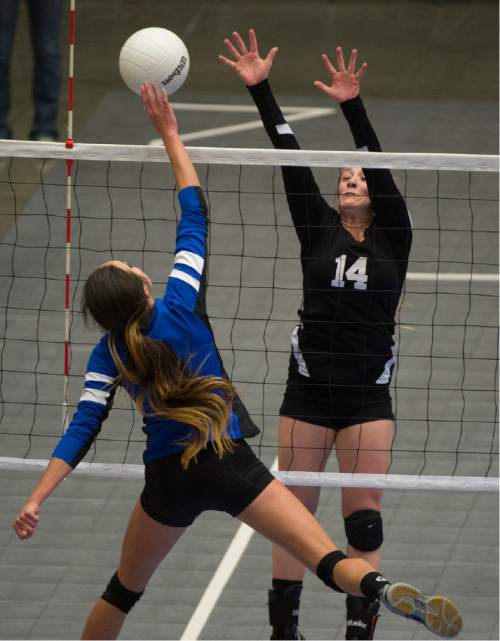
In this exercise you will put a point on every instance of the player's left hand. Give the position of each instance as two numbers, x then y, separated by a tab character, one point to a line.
345	82
27	520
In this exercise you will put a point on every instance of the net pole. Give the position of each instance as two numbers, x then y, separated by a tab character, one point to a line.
69	170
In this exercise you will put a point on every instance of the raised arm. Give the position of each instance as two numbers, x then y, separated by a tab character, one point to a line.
387	202
187	281
183	286
98	392
307	206
163	118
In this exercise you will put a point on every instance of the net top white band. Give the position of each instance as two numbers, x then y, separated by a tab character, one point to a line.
242	156
324	479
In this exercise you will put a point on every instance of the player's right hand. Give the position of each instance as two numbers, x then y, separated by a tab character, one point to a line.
158	108
27	520
248	63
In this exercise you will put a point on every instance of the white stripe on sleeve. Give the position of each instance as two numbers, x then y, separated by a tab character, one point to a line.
190	259
95	396
284	128
98	378
176	273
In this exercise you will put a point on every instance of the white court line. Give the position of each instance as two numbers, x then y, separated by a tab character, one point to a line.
305	114
243	109
219	580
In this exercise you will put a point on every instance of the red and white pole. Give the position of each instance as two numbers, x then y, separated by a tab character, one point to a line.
69	172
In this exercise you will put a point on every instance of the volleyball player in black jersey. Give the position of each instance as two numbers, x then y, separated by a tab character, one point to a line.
354	260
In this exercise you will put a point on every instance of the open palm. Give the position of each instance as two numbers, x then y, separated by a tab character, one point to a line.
344	81
247	62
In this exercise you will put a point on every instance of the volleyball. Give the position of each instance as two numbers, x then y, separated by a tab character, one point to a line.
154	55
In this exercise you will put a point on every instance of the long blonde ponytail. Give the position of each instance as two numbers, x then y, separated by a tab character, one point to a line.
171	391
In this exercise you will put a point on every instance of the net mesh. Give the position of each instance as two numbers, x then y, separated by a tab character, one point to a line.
445	380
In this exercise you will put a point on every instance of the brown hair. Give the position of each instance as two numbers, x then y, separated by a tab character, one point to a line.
116	300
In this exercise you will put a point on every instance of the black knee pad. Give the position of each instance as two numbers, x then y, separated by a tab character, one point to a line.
364	530
117	594
326	566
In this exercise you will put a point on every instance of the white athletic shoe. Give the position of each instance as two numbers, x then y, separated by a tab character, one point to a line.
437	613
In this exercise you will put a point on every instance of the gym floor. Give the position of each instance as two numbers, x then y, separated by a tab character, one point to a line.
431	86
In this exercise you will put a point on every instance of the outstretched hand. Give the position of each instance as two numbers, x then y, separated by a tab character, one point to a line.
159	109
345	82
27	520
248	63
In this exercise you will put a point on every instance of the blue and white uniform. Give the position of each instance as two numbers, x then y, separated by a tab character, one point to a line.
174	320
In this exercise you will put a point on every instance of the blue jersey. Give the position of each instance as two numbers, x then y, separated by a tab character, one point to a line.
175	321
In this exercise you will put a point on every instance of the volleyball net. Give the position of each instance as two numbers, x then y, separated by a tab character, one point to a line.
65	211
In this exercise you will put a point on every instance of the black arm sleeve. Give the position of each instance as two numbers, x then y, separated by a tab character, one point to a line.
388	204
308	208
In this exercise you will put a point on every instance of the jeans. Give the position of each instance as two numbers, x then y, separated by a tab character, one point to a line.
45	20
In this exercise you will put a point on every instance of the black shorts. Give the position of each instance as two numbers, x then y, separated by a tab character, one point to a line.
175	497
333	406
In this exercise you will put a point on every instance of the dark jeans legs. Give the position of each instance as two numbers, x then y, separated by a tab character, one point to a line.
45	21
8	19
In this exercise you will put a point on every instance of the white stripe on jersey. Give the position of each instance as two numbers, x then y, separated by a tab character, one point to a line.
298	354
176	273
190	259
284	128
95	396
99	378
386	374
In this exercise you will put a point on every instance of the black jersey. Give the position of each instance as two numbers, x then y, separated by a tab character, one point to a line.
351	288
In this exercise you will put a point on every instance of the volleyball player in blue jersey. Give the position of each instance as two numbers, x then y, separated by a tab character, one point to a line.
163	353
354	261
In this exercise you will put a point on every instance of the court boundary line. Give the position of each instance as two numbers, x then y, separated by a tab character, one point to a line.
292	114
220	579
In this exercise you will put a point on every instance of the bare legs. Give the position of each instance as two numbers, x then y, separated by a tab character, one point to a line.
279	516
365	449
301	447
276	514
306	447
145	545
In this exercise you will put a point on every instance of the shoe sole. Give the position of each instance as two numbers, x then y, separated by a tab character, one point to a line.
437	613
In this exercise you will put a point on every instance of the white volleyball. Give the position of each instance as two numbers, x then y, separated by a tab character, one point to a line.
155	55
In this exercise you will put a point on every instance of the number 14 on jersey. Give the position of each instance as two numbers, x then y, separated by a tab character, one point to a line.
356	273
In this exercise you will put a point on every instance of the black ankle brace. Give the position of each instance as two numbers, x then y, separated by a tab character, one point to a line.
284	606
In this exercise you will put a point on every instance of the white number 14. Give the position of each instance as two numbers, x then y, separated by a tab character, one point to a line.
356	273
